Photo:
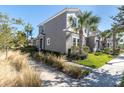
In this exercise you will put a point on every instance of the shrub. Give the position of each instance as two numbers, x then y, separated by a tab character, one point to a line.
50	59
122	82
38	56
78	56
117	51
29	49
75	55
51	52
106	50
74	49
98	53
29	78
17	60
59	63
85	72
8	75
74	71
86	49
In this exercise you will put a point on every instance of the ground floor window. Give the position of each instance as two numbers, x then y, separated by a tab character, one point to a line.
74	41
48	41
77	42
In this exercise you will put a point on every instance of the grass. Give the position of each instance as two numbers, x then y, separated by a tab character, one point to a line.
16	72
95	61
59	63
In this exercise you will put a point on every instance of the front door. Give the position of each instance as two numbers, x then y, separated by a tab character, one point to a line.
41	43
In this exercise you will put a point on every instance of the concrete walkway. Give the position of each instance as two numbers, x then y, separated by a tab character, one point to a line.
108	75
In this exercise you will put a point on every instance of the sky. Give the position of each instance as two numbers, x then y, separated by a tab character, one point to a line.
35	14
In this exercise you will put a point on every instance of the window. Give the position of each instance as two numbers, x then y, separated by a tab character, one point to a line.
48	41
74	41
74	22
41	29
77	42
121	40
85	31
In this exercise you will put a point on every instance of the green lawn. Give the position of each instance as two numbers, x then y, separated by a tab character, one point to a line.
95	61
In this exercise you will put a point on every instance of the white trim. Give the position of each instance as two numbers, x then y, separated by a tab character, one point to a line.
76	40
59	13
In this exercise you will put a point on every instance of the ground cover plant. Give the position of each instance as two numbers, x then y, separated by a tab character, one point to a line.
95	60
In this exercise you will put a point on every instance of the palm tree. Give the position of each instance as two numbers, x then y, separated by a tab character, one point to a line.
85	21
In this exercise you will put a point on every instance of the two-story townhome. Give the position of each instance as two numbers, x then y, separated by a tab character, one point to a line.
108	41
94	41
55	33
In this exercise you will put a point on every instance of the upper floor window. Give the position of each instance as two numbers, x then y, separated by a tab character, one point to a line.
77	42
41	29
73	22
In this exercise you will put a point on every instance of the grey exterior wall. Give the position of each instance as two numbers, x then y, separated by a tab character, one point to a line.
91	42
94	43
54	31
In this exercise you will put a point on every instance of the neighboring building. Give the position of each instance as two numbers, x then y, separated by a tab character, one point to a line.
94	41
108	40
120	38
55	34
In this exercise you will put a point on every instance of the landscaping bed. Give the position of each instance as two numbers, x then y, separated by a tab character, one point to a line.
59	63
95	60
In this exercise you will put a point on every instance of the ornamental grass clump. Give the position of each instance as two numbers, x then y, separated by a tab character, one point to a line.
16	72
75	71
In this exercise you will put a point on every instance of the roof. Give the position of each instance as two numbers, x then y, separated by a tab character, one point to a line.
59	13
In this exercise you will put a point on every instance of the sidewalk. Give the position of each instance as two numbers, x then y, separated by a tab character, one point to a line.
108	75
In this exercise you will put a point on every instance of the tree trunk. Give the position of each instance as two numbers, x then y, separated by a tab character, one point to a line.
80	41
114	41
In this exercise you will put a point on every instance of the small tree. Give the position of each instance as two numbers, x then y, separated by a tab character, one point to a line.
6	37
21	39
29	30
6	31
